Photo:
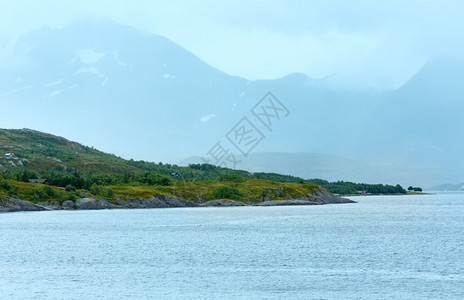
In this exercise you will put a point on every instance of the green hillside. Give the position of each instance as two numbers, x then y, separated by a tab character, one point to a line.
73	170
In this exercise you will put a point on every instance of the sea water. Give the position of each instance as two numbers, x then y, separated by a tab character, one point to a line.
384	247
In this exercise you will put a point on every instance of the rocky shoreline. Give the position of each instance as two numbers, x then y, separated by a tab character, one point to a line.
14	205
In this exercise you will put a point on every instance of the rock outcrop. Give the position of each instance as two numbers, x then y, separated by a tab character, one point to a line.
12	204
222	202
68	204
156	202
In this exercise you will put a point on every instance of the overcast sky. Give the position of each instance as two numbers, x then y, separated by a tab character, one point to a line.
363	43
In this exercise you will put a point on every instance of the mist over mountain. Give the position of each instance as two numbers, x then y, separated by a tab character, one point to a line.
141	96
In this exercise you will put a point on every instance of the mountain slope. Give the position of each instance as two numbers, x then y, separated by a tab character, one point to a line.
34	150
123	87
140	95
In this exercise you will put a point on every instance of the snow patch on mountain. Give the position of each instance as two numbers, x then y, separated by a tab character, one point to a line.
52	94
168	76
57	82
208	117
57	92
12	92
94	71
88	56
115	56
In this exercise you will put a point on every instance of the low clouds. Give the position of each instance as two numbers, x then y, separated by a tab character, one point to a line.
363	43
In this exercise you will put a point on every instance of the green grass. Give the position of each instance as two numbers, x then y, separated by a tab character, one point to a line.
249	191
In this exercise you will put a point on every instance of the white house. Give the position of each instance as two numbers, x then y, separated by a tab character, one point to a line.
9	156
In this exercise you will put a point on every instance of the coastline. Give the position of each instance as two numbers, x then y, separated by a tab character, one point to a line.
16	205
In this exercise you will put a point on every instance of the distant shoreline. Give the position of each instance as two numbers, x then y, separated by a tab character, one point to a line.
408	194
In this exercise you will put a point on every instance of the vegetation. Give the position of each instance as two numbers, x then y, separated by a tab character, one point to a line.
74	170
349	188
414	189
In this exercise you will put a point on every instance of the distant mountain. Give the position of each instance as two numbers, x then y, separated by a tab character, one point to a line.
112	83
142	96
447	187
308	166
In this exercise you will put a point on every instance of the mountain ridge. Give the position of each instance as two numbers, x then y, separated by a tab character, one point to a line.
142	96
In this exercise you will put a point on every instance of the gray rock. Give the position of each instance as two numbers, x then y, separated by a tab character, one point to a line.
105	204
68	204
324	197
91	203
52	205
157	202
12	204
86	203
222	202
320	197
286	202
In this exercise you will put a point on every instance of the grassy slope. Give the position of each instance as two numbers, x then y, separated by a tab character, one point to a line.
40	151
251	191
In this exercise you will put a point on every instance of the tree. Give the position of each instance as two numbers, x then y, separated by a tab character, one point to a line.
25	176
399	189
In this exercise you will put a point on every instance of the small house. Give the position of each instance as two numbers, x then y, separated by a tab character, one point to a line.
9	156
41	180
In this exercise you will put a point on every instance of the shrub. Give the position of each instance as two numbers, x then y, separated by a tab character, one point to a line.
231	178
70	188
227	193
72	196
39	195
6	186
156	179
95	189
49	191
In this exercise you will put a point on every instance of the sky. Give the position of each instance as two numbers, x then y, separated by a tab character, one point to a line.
359	44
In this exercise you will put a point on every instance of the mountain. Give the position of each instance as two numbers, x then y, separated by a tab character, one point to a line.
447	187
113	83
123	87
308	165
140	95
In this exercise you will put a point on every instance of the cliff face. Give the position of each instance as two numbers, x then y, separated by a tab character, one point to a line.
12	204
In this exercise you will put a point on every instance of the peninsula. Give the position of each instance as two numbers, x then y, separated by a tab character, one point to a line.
40	171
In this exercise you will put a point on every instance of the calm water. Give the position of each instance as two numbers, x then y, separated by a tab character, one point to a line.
409	247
